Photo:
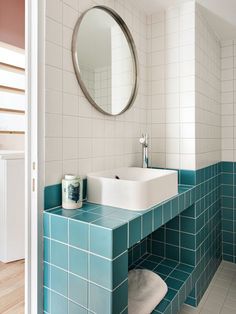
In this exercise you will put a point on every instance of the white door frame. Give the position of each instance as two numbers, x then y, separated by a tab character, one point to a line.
35	18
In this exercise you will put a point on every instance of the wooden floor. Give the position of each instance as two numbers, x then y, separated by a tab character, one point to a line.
12	287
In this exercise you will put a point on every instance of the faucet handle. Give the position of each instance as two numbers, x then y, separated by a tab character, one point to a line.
144	139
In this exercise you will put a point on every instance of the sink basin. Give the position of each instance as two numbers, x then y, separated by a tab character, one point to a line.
132	188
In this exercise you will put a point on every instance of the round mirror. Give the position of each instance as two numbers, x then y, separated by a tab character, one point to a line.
105	60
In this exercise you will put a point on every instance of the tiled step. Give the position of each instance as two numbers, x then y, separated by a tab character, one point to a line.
177	276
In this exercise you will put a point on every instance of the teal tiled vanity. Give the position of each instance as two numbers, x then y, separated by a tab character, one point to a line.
86	255
88	252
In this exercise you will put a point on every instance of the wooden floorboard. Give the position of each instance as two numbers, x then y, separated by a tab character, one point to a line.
12	287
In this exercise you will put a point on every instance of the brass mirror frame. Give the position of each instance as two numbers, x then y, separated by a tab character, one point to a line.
132	47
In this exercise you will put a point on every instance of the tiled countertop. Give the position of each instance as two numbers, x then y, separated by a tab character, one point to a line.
139	224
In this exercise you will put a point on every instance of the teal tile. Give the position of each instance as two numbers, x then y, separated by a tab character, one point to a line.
59	254
158	248
76	309
172	237
90	207
120	298
159	234
155	259
189	212
78	234
175	207
227	166
158	217
174	223
146	224
187	256
134	231
169	263
228	249
181	202
174	283
106	242
227	190
185	268
59	228
163	270
188	177
78	262
108	222
162	306
100	300
175	304
59	280
106	273
46	249
46	300
59	304
188	240
78	290
147	265
122	214
46	225
180	275
67	213
120	269
52	196
46	275
188	224
172	252
101	271
86	217
227	202
166	211
170	294
227	178
227	225
103	210
182	295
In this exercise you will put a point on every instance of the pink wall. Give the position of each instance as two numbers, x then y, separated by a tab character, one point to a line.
12	22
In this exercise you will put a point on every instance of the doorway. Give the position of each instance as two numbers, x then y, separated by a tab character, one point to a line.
13	109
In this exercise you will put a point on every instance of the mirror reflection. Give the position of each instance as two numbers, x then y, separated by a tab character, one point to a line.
105	60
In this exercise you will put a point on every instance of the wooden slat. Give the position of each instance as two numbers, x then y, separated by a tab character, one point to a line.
12	132
13	111
11	67
11	89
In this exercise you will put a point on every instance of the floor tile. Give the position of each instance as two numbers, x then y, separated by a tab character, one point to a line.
220	296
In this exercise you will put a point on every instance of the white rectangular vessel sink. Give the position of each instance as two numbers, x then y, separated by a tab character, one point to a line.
132	188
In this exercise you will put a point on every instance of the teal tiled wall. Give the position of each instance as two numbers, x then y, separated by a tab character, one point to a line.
194	236
228	208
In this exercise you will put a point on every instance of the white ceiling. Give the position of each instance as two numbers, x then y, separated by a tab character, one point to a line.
151	6
221	14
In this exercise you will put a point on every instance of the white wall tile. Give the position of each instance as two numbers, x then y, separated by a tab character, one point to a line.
228	96
79	138
53	31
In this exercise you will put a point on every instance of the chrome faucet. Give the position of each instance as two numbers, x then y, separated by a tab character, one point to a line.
144	141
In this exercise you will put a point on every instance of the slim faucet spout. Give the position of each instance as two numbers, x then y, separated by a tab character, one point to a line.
144	142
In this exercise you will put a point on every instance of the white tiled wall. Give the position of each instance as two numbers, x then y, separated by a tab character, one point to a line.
184	103
171	114
178	102
78	138
207	94
228	100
